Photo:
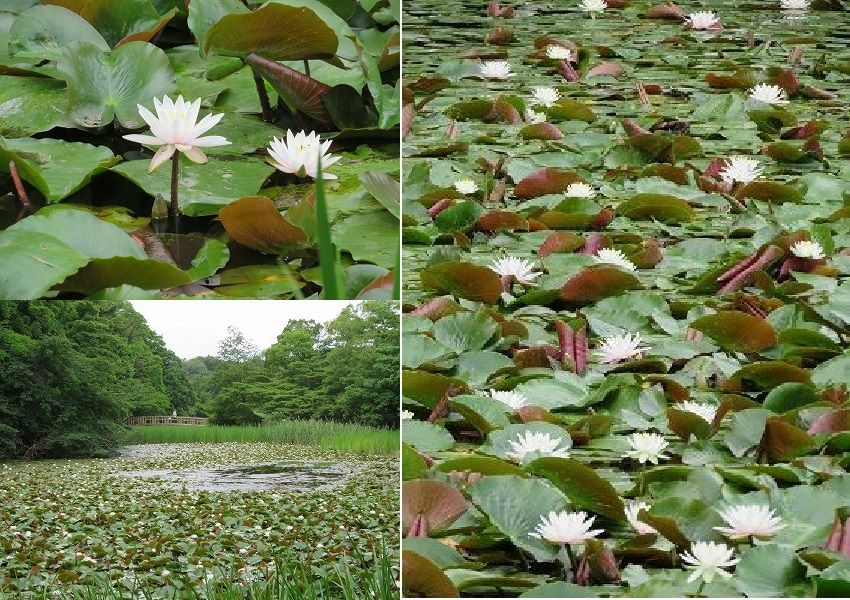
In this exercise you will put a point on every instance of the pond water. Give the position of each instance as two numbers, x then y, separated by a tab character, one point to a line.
287	475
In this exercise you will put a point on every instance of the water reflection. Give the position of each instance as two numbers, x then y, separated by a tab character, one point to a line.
289	476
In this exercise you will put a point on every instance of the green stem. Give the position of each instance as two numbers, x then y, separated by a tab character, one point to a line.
397	276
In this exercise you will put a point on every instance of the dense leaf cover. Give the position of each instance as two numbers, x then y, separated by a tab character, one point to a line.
626	292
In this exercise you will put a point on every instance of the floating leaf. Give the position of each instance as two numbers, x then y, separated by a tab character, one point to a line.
423	577
55	167
544	181
582	485
737	331
426	437
770	191
514	506
439	504
308	36
463	280
42	32
33	263
204	189
253	221
105	86
30	105
597	282
667	209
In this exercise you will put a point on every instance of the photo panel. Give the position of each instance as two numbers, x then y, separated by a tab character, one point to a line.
625	352
227	149
217	450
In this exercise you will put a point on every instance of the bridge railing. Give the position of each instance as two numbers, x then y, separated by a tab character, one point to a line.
166	420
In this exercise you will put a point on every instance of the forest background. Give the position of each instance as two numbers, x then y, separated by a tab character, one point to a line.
73	372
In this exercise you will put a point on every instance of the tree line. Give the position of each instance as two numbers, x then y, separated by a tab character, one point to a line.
74	371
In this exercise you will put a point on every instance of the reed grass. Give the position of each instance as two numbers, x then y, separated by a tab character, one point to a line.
287	581
348	437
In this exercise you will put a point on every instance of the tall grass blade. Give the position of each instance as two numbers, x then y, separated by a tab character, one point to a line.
328	258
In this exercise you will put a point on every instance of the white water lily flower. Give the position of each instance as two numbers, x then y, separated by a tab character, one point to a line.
593	6
616	348
745	520
740	169
466	186
536	441
808	249
519	268
496	69
175	127
300	154
701	409
556	52
509	398
794	4
708	559
534	117
769	94
579	189
565	528
406	415
547	96
705	19
647	447
632	511
612	256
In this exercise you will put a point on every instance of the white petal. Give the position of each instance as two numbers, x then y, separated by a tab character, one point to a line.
210	141
162	155
145	140
195	155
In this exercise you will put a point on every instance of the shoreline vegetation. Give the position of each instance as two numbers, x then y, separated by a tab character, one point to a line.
328	435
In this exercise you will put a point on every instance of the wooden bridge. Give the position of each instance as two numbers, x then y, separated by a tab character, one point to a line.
167	420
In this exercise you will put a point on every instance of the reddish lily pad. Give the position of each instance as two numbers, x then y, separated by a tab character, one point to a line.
560	241
541	131
463	280
435	502
425	579
253	221
737	331
596	282
770	191
547	180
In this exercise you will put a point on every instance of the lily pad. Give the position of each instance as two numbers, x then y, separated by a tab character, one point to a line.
55	167
204	189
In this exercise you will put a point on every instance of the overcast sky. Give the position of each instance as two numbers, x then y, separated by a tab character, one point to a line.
194	328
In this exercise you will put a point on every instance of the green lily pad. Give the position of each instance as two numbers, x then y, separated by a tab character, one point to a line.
42	32
380	246
667	209
55	167
584	487
203	189
33	263
515	505
30	105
